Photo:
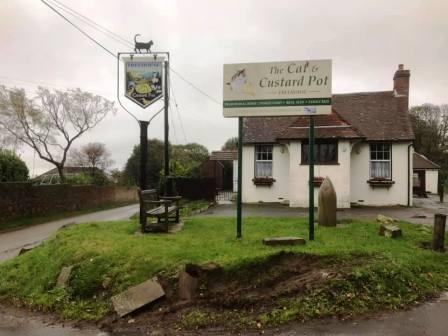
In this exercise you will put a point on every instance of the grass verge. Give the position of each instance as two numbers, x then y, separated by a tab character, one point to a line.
372	272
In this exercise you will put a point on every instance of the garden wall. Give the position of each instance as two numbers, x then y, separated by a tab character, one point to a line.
19	200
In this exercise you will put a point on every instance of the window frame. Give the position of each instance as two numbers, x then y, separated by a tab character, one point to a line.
317	145
390	160
256	151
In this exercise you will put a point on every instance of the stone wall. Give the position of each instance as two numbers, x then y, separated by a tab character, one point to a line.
19	200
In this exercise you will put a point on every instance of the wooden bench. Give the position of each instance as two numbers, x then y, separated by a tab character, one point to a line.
165	209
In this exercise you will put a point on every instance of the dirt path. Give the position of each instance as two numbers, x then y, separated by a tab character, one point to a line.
12	242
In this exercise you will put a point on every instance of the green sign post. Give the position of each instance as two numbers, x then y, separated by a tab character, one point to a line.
311	179
277	89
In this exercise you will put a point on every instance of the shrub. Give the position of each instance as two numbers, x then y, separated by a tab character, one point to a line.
12	168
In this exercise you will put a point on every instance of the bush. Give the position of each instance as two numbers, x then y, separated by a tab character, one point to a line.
12	168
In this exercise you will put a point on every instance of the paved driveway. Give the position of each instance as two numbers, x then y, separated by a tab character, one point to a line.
421	213
12	242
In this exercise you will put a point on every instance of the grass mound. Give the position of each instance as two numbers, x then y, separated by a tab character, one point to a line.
345	271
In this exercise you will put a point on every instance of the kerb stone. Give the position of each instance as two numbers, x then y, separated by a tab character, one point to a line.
278	241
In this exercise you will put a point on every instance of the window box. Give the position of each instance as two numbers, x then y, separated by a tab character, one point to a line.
263	181
382	183
318	181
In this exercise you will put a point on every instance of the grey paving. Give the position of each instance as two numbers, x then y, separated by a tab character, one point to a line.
421	213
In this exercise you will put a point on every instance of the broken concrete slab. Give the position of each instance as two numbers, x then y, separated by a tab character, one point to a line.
188	286
280	241
385	219
390	231
137	297
64	276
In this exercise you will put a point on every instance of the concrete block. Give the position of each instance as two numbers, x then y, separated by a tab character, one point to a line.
64	276
137	297
188	286
390	231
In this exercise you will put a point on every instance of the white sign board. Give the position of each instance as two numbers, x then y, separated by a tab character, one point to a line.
277	88
143	80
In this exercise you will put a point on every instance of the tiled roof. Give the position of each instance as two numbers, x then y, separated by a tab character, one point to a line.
326	126
225	155
422	162
371	115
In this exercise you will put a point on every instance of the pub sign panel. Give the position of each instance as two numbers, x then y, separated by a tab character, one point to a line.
143	80
277	88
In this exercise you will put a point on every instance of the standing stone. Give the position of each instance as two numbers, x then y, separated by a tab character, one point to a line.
327	203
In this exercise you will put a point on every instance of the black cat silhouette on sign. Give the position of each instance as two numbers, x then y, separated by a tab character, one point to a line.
139	46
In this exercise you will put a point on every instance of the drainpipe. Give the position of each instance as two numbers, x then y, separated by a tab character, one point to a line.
409	174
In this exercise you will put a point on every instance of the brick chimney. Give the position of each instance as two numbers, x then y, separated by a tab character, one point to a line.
401	81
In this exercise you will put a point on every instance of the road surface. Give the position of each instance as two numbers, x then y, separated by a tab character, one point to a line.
12	242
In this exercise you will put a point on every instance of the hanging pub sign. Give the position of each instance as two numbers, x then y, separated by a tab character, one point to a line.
277	88
143	79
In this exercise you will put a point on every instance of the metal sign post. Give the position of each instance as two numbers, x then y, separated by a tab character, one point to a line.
240	178
143	85
311	180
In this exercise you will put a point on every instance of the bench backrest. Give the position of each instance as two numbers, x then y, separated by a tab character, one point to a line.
147	195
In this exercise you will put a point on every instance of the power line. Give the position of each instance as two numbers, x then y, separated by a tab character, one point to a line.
56	86
79	29
112	54
91	23
177	110
171	120
194	86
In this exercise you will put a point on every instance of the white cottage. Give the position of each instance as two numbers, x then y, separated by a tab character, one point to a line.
364	146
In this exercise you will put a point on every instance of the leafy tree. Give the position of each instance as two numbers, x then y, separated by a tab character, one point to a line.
154	163
12	168
430	124
93	155
184	160
50	122
231	144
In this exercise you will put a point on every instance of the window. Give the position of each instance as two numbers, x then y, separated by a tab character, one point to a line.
380	161
263	161
325	152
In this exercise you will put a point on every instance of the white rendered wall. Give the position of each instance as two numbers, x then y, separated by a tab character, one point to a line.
431	180
339	175
362	193
279	190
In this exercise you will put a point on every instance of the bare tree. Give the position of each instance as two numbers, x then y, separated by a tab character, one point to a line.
52	121
93	156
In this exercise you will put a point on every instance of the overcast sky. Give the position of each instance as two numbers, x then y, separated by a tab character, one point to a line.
365	39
